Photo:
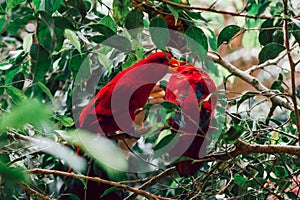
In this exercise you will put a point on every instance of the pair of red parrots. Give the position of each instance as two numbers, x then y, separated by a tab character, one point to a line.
115	105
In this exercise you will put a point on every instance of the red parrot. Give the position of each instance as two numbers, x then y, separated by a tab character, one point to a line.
190	89
114	107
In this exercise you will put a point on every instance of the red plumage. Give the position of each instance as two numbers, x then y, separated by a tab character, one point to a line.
189	89
114	106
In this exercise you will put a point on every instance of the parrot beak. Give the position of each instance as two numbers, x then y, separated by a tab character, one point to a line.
173	65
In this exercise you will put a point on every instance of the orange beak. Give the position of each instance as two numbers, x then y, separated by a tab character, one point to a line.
173	65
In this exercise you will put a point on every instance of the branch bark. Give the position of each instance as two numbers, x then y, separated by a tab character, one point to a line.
237	14
251	80
292	66
30	191
99	180
242	148
153	181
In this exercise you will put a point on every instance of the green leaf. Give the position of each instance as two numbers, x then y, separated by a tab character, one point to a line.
165	143
267	30
103	29
239	179
169	105
104	151
16	94
197	41
45	89
270	51
235	118
276	85
280	171
79	5
196	15
162	135
265	37
65	120
27	42
12	176
2	12
63	23
175	11
120	10
109	22
212	41
37	3
296	33
256	7
18	80
104	61
98	38
159	32
246	95
134	20
270	32
296	21
228	34
40	60
130	60
233	134
15	25
10	75
46	18
73	38
76	61
292	116
263	7
59	35
45	36
58	150
277	37
109	190
29	111
72	196
119	42
12	3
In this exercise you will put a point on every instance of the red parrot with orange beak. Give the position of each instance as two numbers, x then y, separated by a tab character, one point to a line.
114	106
190	89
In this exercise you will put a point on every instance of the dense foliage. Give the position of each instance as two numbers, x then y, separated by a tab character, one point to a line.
55	54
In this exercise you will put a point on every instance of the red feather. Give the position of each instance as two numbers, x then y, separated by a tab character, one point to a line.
114	106
189	89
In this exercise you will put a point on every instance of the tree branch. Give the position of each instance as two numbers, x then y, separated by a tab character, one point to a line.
29	191
242	148
249	79
292	66
99	180
182	6
153	181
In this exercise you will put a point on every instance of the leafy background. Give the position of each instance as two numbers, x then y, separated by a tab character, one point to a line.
252	51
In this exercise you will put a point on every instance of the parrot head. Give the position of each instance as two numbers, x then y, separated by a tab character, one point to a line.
164	58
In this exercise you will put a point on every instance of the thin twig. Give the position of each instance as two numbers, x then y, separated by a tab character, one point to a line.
153	181
228	184
265	64
249	79
292	66
243	148
182	6
29	190
99	180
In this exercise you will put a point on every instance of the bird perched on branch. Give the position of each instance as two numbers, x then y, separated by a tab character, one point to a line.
114	106
114	109
191	90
